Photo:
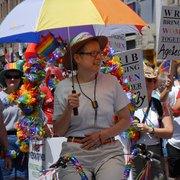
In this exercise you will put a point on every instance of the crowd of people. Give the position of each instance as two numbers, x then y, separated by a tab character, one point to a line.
81	108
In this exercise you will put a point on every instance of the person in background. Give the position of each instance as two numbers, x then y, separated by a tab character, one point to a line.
11	80
4	145
154	123
173	145
90	134
164	86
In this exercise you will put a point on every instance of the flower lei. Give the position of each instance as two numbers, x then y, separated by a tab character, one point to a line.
113	66
29	98
30	125
52	83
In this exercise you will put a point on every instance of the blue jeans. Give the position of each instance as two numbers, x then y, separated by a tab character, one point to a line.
18	169
1	175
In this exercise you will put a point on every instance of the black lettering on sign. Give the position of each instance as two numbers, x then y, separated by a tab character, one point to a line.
133	58
175	51
171	39
133	67
172	13
139	99
171	22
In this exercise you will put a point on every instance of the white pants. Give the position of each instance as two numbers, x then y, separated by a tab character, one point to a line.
103	163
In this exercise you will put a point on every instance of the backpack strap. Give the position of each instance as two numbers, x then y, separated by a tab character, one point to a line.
147	111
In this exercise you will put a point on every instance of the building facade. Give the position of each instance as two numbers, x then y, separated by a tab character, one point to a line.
150	10
6	6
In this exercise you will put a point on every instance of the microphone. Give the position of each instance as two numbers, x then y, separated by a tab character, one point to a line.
75	110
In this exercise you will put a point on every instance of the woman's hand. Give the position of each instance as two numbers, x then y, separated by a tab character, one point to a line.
169	83
91	141
144	128
73	100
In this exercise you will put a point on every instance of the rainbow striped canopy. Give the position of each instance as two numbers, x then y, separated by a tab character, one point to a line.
18	65
31	17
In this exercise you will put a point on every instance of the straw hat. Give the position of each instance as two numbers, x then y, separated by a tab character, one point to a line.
149	72
15	66
77	43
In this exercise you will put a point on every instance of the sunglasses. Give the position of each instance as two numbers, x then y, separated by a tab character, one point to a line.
93	54
9	76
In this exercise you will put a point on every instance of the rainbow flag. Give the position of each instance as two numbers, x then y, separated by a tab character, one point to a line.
165	66
47	45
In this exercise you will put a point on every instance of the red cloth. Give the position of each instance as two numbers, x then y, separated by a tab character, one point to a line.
55	71
47	103
30	51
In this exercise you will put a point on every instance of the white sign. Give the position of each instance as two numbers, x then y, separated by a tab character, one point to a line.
132	62
42	154
169	33
117	42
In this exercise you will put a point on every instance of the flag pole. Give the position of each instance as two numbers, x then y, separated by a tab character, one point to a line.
75	110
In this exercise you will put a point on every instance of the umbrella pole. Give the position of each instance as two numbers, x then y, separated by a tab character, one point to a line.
75	110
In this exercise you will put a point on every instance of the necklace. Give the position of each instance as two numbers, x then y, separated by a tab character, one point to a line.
93	102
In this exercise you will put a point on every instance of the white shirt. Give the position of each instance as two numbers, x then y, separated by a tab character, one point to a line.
151	120
175	140
109	95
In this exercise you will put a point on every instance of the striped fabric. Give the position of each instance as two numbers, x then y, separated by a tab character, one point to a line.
61	13
18	65
36	17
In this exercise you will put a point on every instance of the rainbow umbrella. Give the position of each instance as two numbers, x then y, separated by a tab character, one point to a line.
32	18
